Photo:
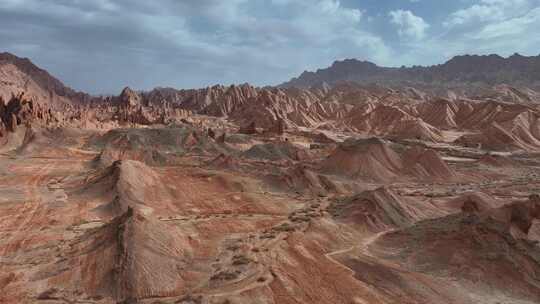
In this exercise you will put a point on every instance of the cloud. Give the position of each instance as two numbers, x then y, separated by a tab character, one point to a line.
513	27
102	45
409	25
496	26
487	11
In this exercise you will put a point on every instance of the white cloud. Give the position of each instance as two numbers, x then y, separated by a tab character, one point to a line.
504	32
409	25
519	26
149	43
487	11
102	45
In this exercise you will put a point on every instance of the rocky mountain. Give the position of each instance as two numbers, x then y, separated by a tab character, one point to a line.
18	75
458	71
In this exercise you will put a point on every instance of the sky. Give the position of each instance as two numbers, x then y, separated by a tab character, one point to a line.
101	46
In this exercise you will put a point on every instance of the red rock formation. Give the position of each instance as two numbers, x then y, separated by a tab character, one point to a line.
475	202
497	137
135	198
394	122
136	259
375	159
381	209
20	111
303	180
366	159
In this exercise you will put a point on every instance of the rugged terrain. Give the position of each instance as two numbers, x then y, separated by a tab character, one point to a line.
343	192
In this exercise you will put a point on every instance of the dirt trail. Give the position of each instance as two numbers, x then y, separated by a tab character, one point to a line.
363	247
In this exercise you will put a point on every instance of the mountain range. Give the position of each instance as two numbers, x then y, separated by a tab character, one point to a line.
468	72
464	70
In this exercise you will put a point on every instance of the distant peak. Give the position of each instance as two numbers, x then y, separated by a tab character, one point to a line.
352	61
46	84
489	70
127	91
6	55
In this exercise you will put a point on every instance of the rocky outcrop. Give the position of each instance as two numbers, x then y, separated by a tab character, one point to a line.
302	179
152	146
393	121
19	111
129	98
378	160
497	137
136	259
21	75
380	209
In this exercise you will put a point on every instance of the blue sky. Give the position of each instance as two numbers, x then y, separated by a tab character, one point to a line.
100	46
